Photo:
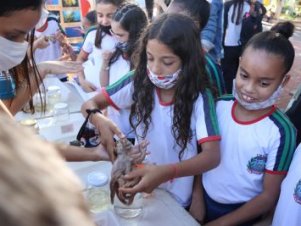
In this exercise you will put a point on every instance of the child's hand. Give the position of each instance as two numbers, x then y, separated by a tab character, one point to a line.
87	86
59	67
107	130
151	177
101	154
41	42
60	37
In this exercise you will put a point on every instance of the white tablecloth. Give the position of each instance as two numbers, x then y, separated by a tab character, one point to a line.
159	209
69	95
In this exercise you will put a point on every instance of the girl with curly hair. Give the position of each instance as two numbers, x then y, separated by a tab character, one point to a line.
171	107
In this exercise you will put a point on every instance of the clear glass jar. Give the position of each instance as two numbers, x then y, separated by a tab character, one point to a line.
97	195
53	95
129	211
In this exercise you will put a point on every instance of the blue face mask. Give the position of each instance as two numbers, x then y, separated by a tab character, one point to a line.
123	46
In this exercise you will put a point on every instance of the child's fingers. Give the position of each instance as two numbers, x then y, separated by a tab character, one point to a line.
136	173
132	190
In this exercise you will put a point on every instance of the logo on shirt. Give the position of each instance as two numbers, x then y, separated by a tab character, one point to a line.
297	192
257	164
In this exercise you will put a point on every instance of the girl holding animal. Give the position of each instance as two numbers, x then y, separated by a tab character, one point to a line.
171	107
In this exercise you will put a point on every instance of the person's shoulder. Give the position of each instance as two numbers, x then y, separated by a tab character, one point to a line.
53	17
281	121
121	83
90	34
91	30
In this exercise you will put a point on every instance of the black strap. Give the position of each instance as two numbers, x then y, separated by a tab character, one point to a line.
82	128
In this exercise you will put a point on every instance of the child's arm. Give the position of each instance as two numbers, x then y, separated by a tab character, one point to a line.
154	175
24	91
104	125
73	153
257	206
86	85
105	68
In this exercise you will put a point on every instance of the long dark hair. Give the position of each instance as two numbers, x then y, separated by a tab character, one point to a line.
101	30
181	35
237	11
21	73
133	20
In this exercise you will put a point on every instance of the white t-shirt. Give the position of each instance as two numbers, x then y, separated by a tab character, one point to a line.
232	33
248	151
288	210
94	62
53	51
121	118
163	148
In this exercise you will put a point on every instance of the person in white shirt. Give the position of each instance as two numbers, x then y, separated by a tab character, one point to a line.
127	24
258	140
54	34
97	40
234	11
288	210
171	107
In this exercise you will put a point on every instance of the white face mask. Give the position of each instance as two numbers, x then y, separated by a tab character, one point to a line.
165	82
11	53
257	105
43	19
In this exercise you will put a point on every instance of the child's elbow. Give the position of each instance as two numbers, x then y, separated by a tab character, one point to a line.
216	158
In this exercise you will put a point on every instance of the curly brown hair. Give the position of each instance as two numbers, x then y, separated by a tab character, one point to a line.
180	34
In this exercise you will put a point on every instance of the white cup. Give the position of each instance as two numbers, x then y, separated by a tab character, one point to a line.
61	112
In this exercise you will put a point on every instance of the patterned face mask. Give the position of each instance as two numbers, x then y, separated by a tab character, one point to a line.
123	46
257	105
164	82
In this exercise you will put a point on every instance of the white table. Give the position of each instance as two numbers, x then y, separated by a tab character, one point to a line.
160	209
69	95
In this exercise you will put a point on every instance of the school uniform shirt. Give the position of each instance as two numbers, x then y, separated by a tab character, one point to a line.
288	210
163	148
53	51
7	86
248	151
121	118
92	67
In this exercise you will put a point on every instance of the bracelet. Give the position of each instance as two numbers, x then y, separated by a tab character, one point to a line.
83	127
175	172
93	111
